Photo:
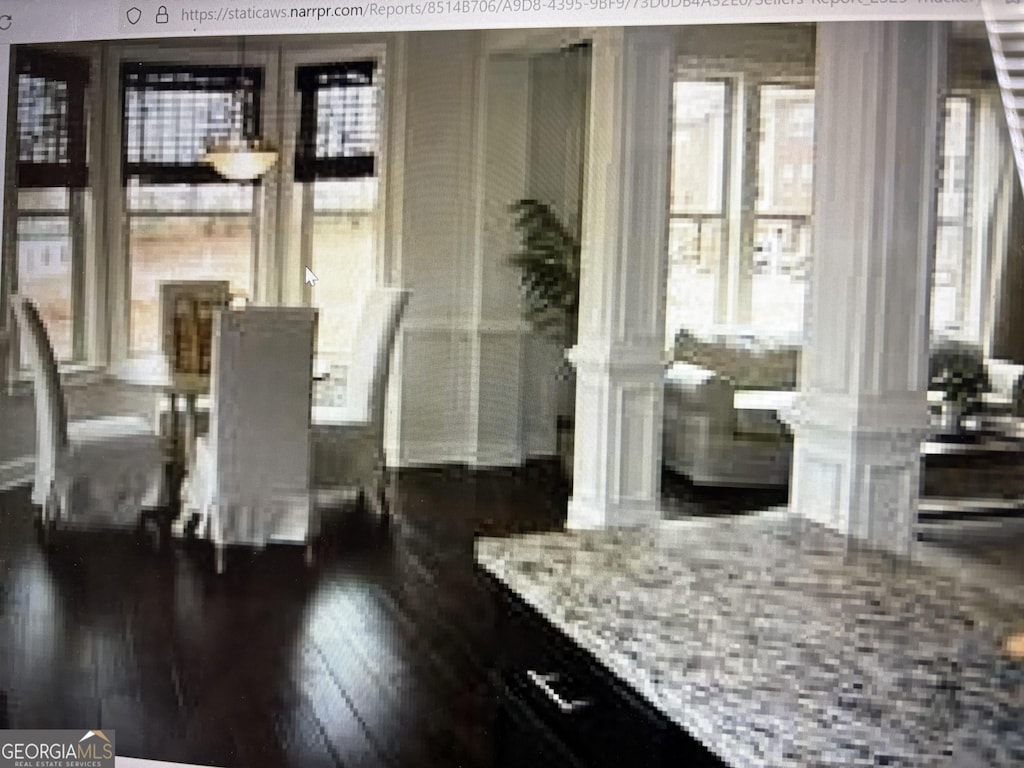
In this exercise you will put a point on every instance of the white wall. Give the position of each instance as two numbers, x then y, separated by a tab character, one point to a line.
438	85
498	370
559	93
484	126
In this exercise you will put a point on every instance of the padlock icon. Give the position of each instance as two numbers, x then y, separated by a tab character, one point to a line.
161	15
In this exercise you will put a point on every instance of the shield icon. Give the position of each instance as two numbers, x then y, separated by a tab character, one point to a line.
133	14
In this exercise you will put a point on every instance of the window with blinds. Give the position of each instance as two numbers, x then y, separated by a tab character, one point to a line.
51	120
172	114
338	123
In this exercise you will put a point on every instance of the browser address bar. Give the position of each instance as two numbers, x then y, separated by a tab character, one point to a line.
213	17
304	16
26	21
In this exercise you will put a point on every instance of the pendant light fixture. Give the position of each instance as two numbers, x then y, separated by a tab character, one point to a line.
241	157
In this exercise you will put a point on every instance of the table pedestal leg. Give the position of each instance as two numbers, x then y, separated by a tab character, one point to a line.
190	428
175	442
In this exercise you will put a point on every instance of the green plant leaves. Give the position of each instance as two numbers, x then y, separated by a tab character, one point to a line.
549	268
957	369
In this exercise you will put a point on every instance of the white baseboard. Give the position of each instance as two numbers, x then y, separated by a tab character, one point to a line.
17	472
429	453
433	453
497	454
326	497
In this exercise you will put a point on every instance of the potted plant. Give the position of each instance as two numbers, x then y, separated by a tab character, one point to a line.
548	261
957	370
549	268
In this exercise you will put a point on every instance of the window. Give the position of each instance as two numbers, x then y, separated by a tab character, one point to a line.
727	267
953	259
336	161
172	113
338	125
697	211
51	120
52	171
782	213
184	221
45	228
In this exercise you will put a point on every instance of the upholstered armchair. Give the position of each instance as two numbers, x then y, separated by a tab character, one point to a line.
104	472
710	441
1005	378
248	483
349	440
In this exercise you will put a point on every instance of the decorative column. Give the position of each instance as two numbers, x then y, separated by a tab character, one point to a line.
862	412
618	358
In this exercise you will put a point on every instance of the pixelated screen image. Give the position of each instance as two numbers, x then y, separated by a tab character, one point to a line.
512	384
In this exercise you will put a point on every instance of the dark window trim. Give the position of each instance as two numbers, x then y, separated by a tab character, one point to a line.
74	72
233	79
309	80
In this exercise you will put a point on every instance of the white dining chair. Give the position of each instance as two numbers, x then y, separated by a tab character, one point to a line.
248	483
349	439
96	473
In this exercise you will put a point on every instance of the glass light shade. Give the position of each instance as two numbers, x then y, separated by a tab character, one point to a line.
1014	645
241	159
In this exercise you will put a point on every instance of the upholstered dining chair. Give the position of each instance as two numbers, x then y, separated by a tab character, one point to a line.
249	480
96	473
349	440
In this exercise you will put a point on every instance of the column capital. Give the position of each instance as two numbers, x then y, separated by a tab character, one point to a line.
886	415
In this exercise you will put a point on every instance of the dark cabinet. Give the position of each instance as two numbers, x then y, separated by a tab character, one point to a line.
558	706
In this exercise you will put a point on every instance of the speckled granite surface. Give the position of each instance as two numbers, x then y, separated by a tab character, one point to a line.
777	643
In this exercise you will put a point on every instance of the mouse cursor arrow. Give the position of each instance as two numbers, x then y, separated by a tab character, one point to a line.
310	277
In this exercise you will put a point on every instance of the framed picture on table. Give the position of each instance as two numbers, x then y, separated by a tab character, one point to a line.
186	317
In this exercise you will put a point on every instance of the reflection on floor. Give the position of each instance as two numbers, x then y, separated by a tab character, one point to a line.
375	657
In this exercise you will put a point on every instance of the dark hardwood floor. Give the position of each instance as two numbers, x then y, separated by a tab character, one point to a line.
376	656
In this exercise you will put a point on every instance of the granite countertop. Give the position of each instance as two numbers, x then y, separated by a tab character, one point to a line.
776	642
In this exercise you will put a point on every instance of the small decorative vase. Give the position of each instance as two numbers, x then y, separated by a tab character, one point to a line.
952	416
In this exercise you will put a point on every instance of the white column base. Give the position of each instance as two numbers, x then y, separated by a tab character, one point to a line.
592	513
617	455
859	476
862	413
